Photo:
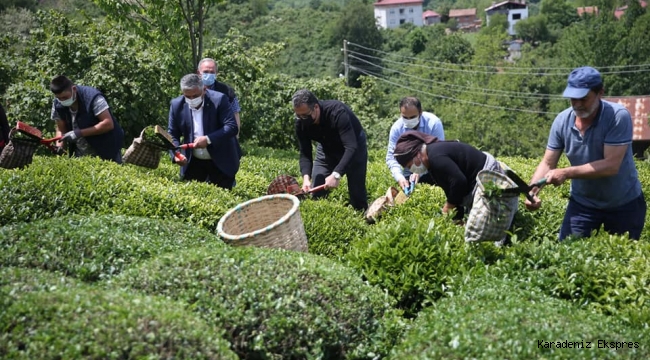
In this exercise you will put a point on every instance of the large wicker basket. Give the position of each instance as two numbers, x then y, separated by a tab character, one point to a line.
269	221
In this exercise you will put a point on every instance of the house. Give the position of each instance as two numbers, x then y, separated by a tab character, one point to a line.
620	11
639	108
430	17
393	13
591	10
514	10
465	18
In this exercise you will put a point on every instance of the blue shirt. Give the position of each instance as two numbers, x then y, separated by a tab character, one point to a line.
613	127
429	124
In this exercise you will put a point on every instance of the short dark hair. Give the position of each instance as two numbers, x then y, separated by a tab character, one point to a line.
60	84
304	96
410	101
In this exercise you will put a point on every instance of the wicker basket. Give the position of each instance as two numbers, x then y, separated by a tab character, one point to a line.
18	153
269	221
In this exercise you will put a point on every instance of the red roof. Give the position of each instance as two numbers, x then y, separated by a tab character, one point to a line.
587	10
397	2
430	13
462	12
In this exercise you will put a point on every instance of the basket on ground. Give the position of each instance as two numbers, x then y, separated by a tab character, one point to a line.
269	221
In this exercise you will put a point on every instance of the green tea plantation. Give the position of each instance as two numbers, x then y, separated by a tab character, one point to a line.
102	261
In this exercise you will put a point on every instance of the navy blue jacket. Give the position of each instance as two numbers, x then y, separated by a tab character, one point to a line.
218	124
108	145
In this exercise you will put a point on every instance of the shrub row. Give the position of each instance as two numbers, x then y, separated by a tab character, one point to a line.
610	274
46	316
274	303
92	248
492	318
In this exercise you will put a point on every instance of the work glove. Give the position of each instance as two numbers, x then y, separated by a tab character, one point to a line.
71	136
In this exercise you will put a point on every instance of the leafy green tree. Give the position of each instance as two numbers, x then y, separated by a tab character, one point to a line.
130	72
633	12
357	24
178	26
417	40
533	29
559	13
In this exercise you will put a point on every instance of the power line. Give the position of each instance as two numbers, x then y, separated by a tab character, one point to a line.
564	69
451	98
491	92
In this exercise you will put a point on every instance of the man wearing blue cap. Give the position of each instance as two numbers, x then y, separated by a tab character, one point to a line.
596	136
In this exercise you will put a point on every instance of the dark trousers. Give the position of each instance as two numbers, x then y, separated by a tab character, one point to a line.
206	170
581	221
355	173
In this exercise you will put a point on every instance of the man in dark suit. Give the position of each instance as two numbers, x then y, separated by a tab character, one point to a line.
205	118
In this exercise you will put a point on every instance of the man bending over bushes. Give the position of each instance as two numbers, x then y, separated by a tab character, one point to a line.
341	149
205	119
595	135
85	121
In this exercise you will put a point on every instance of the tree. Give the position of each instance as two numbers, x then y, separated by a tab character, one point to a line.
357	25
558	13
171	24
533	29
634	11
417	40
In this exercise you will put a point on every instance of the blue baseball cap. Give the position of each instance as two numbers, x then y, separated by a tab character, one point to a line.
581	80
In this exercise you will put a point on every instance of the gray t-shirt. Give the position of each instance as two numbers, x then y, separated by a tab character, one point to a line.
612	127
99	105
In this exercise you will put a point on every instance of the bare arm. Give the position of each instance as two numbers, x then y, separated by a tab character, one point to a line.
548	163
613	157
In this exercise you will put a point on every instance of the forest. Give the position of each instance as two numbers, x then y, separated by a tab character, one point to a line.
136	52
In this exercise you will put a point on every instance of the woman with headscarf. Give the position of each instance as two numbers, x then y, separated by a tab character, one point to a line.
454	166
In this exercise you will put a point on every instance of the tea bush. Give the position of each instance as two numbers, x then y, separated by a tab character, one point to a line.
92	248
417	261
610	274
57	186
274	303
46	316
492	318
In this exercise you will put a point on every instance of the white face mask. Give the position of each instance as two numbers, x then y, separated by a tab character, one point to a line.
410	123
418	169
194	103
68	102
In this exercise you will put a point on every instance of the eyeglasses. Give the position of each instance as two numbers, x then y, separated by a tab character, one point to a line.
305	116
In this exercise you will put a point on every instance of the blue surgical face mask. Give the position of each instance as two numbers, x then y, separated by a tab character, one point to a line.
68	102
208	79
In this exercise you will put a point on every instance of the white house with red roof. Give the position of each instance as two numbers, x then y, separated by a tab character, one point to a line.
431	17
515	10
393	13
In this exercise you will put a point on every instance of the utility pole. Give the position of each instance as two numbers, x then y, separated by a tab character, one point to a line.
346	65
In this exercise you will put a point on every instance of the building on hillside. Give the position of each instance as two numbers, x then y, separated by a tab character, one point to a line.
591	10
639	107
514	10
393	13
431	17
619	12
465	18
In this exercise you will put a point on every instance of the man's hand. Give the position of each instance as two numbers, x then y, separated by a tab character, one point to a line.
306	183
533	206
180	159
556	177
414	178
331	182
71	136
403	183
201	142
